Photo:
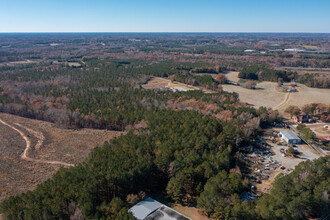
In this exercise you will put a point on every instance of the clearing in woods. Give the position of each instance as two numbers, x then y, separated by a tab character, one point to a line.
31	151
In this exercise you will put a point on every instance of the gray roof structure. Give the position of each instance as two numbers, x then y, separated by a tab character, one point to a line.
145	208
289	134
150	209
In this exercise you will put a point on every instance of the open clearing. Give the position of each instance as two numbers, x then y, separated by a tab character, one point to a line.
31	151
307	95
267	95
162	83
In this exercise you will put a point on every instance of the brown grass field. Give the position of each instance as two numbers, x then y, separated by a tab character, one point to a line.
31	151
267	95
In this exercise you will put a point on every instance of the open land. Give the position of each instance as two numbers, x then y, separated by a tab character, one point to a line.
31	151
162	83
267	95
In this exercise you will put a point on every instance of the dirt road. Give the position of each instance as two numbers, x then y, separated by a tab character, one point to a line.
285	100
24	155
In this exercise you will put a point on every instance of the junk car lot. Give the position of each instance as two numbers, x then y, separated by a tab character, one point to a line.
269	156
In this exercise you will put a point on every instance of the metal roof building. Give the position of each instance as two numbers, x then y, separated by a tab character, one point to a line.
289	137
151	209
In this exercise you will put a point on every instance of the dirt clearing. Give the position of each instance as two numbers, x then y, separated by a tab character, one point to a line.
31	151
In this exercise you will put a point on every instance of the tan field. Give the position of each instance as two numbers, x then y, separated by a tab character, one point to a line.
307	95
267	95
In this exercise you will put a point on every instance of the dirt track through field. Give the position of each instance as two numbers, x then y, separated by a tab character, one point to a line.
24	155
286	99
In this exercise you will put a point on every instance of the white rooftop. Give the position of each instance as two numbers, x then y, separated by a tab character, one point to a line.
145	208
289	134
150	209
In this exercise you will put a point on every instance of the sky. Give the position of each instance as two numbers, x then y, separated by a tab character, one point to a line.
312	16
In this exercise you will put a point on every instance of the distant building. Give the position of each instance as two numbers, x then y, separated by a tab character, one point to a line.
150	209
292	90
303	118
249	51
293	50
289	137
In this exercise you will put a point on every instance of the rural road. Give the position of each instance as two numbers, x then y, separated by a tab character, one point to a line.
24	155
285	100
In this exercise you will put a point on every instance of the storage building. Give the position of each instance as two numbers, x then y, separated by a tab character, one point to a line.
289	137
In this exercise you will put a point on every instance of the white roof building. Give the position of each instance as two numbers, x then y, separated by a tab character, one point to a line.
289	137
150	209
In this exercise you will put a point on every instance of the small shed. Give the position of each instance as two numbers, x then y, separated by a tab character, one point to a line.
289	137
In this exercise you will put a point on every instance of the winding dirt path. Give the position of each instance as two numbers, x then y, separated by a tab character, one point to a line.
24	155
285	100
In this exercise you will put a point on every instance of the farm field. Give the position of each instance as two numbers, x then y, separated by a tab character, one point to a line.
267	95
31	151
307	95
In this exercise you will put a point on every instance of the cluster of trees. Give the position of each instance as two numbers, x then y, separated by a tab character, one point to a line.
293	110
314	80
306	132
303	194
264	74
311	109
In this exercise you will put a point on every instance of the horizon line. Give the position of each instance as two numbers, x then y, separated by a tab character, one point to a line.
160	32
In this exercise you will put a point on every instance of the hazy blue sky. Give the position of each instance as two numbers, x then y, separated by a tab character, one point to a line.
165	16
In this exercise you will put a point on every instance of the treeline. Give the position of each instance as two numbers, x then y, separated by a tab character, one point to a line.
314	80
264	74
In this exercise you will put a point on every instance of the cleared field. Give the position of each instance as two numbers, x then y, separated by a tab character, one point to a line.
31	151
232	76
19	62
162	83
267	95
264	94
307	95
